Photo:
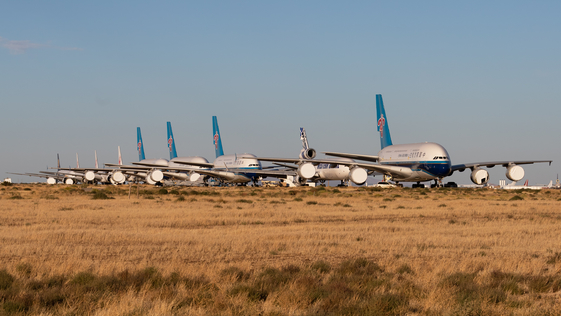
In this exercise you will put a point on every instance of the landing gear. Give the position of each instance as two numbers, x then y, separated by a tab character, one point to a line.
437	183
418	185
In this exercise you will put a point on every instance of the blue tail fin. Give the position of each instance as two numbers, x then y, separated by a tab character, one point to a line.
216	139
383	128
139	145
171	143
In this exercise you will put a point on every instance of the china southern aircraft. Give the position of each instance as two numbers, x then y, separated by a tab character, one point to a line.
174	168
237	168
321	170
419	162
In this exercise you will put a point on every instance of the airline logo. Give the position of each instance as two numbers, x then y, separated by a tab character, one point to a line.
216	137
170	142
139	147
381	124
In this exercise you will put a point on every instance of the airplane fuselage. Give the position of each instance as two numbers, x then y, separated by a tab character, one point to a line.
237	168
427	161
333	171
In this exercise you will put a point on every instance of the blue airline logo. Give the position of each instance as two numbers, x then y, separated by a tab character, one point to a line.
381	124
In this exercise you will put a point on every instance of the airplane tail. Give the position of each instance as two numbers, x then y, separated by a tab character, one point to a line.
171	143
306	152
217	140
120	158
77	161
526	183
57	161
96	164
139	145
383	128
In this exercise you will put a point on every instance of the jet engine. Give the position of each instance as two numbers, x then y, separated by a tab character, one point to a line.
69	181
156	175
309	153
91	176
194	177
479	176
358	175
514	173
306	170
51	180
117	177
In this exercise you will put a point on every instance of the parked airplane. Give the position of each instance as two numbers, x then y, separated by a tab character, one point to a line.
175	168
239	169
63	175
151	175
420	162
324	169
102	175
513	186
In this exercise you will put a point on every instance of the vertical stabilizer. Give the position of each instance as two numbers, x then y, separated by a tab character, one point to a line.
139	145
96	164
171	143
383	128
77	161
216	139
304	138
120	158
57	161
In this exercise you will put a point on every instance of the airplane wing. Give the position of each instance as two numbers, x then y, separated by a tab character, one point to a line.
383	169
200	164
353	156
463	167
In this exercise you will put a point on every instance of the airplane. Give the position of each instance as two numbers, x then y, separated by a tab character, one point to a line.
151	175
513	186
66	176
102	175
234	169
419	162
176	165
321	170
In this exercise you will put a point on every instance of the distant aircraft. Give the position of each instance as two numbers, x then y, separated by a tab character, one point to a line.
175	167
64	175
322	169
420	162
237	168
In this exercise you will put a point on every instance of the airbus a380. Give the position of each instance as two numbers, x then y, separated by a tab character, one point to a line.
420	162
174	168
237	168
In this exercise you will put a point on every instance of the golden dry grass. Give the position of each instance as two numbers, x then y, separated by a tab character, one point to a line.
433	234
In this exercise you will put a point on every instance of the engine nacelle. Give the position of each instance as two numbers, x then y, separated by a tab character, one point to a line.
479	176
358	175
309	153
69	181
117	177
194	177
91	176
514	173
51	180
156	175
306	170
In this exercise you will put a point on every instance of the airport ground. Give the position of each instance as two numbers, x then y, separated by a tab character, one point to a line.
77	250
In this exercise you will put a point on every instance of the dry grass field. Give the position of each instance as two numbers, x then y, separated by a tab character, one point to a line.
74	250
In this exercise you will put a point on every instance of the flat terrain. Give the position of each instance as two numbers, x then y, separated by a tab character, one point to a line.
278	251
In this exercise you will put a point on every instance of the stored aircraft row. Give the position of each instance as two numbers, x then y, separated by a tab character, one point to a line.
416	162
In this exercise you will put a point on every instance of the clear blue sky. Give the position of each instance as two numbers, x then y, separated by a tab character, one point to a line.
482	78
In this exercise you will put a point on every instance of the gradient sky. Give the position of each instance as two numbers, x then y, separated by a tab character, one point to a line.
482	78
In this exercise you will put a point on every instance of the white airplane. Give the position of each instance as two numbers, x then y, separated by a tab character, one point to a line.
102	175
66	176
420	162
174	168
237	168
324	169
